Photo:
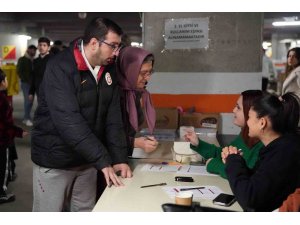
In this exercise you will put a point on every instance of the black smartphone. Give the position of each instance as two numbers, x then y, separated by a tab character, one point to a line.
184	179
224	199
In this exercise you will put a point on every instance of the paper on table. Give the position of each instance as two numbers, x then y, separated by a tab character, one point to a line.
208	192
161	168
180	169
183	147
195	170
139	153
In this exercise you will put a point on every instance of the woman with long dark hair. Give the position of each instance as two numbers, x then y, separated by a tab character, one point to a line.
292	72
249	146
274	121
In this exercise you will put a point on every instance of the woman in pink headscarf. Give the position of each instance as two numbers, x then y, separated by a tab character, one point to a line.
134	68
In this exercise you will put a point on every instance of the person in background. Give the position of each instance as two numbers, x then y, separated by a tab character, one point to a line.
249	147
134	69
24	70
39	66
126	41
78	127
277	172
268	71
292	72
8	131
56	47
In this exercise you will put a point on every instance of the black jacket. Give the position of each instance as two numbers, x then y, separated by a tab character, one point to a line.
77	122
39	66
275	176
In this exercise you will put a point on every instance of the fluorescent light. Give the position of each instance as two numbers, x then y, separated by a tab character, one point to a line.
135	44
26	37
287	40
286	23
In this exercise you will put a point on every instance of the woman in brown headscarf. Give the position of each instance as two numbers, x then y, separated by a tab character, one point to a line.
134	68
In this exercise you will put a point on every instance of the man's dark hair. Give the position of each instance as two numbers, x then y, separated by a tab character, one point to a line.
45	40
98	28
58	42
32	47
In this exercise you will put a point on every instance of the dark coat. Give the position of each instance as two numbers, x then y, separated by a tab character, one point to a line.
24	69
8	131
39	66
274	177
77	121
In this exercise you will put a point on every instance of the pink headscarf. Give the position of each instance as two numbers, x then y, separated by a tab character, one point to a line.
130	61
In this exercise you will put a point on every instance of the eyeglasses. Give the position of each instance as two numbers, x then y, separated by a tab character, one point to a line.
146	73
112	46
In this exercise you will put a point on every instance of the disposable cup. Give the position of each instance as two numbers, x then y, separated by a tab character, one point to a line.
184	198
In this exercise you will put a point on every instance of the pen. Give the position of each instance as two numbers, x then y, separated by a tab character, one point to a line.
148	138
153	185
194	188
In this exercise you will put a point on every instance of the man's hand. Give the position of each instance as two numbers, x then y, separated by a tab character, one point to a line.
110	177
124	168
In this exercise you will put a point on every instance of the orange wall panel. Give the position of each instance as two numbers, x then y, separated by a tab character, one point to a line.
206	103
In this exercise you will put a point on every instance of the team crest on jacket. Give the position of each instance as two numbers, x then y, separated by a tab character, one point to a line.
108	78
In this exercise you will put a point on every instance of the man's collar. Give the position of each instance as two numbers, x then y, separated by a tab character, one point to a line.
81	65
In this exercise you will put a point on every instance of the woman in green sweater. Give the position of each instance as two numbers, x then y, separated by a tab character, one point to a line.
249	147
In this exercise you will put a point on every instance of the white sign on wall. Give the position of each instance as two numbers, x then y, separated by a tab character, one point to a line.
189	33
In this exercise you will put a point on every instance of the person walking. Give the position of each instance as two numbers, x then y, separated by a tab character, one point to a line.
24	70
39	66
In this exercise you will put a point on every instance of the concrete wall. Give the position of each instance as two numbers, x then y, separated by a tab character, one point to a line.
234	43
230	64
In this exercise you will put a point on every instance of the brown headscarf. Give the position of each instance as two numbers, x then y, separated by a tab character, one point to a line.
130	61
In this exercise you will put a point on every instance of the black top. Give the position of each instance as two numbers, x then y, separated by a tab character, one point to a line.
275	175
39	67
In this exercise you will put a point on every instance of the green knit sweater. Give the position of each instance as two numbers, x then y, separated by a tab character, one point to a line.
212	151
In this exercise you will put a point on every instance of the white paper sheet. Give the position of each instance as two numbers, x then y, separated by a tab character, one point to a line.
208	192
179	169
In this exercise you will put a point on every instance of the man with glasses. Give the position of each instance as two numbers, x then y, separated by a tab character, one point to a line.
134	68
78	127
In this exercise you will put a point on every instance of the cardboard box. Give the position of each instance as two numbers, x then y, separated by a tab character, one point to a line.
166	118
201	120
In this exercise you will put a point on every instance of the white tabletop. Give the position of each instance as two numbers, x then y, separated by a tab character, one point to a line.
133	198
